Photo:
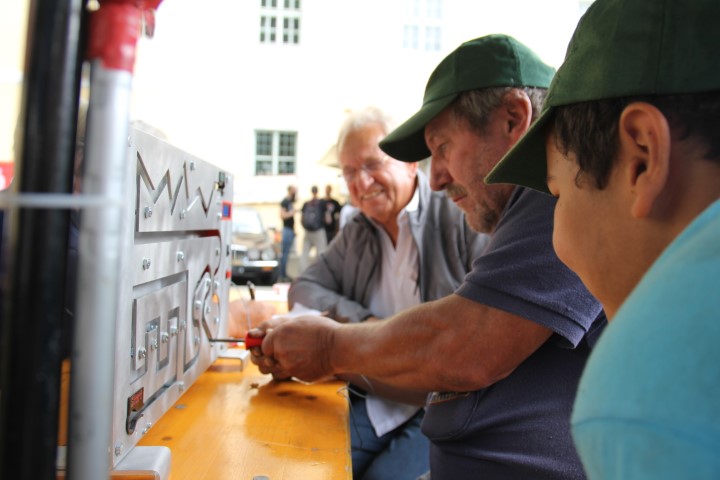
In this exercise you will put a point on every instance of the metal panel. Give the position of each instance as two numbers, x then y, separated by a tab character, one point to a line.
175	284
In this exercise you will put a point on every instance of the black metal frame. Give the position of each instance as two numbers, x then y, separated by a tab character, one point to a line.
34	337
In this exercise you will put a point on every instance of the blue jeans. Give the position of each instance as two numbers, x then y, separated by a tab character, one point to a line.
288	237
398	455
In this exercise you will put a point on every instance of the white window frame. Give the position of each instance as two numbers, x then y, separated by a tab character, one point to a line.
280	22
422	29
279	159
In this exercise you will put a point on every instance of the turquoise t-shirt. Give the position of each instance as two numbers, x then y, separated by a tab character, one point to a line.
648	404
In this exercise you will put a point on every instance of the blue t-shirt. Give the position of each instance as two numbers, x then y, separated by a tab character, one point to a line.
648	406
520	426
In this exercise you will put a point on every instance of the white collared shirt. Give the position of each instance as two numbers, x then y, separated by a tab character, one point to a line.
398	287
397	290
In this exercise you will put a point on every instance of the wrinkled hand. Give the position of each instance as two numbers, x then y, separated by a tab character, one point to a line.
266	363
259	311
296	347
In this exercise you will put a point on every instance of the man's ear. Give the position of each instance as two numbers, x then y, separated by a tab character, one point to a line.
644	155
518	110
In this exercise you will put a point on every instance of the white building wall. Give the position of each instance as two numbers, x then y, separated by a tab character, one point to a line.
207	82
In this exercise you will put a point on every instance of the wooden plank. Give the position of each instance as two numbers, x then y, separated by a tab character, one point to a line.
234	424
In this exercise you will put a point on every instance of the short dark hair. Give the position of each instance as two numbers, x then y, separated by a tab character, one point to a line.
590	129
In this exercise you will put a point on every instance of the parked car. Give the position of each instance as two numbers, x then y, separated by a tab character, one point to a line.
255	253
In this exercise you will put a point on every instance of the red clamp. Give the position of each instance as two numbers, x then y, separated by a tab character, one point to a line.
115	28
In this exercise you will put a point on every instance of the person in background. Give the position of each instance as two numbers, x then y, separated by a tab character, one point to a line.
504	353
312	217
287	215
332	214
634	160
406	245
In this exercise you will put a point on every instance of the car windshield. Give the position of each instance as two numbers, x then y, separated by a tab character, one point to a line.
246	221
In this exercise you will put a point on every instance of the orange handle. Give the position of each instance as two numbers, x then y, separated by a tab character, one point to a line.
252	341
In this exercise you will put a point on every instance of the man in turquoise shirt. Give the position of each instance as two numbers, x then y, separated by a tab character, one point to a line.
629	143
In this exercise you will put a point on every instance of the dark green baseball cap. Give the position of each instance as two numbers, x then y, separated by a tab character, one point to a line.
622	48
485	62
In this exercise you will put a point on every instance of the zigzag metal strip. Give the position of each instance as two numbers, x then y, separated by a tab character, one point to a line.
166	181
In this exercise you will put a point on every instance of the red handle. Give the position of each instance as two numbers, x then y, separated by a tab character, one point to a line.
252	341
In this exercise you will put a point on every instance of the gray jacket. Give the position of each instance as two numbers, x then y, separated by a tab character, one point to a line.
341	281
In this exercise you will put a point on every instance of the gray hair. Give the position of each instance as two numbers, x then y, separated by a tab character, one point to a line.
359	119
475	106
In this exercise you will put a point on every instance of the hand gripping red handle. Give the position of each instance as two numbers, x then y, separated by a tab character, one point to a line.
252	341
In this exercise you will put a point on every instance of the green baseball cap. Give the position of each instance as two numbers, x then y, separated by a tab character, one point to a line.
485	62
622	48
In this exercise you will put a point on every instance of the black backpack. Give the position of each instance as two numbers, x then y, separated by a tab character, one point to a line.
312	215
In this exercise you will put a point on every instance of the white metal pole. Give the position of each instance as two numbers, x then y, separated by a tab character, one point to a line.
113	35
